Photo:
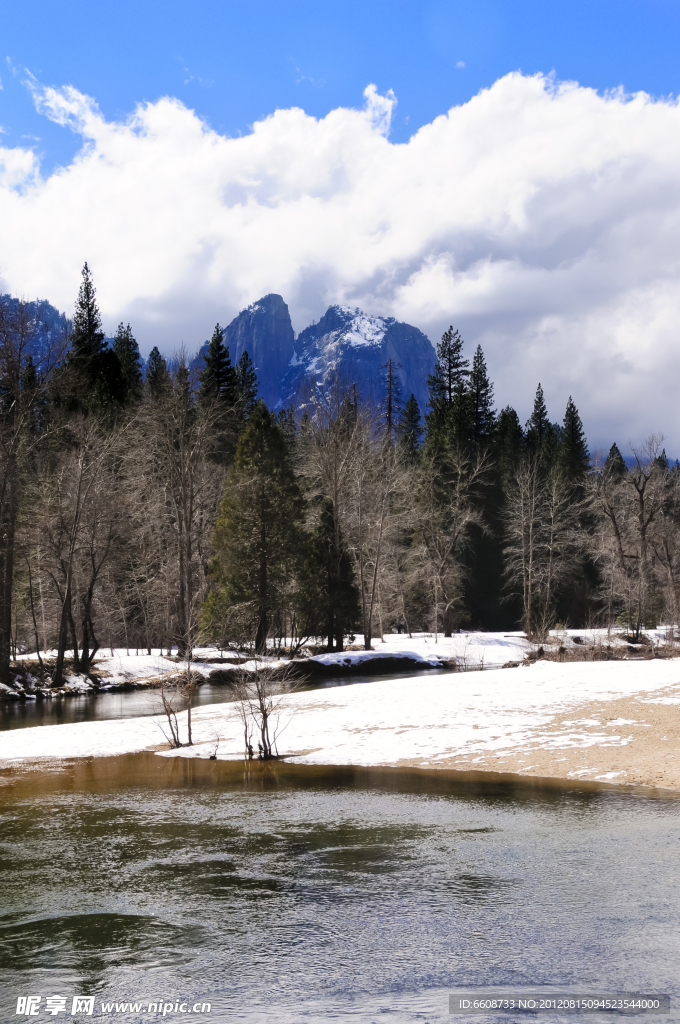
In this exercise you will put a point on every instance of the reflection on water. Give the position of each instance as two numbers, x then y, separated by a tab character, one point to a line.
96	707
288	893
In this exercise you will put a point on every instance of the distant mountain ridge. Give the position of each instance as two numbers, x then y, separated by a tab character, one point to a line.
344	342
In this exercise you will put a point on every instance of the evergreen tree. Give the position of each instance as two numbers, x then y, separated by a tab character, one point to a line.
87	337
615	464
157	375
661	461
538	423
481	399
450	370
218	377
33	399
246	385
509	444
285	421
259	527
573	459
127	350
93	377
392	396
410	430
328	594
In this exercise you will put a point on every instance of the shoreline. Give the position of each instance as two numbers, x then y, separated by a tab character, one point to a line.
610	722
105	773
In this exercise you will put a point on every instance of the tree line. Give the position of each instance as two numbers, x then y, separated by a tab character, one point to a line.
161	507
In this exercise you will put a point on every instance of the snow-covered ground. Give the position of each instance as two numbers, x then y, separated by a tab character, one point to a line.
542	718
468	650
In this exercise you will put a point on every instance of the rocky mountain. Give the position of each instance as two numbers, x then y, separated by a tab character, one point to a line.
265	332
355	346
345	342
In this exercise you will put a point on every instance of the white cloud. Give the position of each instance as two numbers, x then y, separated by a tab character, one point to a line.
543	219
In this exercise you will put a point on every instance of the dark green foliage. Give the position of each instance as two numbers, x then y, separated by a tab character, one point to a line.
509	443
259	528
392	402
285	421
246	385
91	380
538	423
94	377
34	399
218	377
661	461
481	400
410	431
573	459
615	465
451	369
87	338
157	375
328	595
127	350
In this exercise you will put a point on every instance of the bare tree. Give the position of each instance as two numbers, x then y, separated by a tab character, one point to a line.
635	509
262	696
446	510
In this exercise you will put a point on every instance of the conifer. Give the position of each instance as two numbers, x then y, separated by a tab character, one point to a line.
329	596
218	377
126	348
538	422
87	337
410	430
574	458
615	464
450	370
92	378
246	385
481	399
157	375
257	538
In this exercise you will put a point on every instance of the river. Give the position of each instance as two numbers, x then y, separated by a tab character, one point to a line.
290	894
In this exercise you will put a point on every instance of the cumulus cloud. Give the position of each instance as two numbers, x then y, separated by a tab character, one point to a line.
541	218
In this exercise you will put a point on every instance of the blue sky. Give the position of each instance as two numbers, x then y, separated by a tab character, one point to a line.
432	171
236	62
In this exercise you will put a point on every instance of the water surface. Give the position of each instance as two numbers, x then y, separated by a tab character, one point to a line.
290	894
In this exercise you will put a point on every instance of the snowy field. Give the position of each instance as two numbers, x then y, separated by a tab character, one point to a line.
468	651
611	721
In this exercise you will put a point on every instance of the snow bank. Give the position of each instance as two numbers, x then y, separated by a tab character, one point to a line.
424	719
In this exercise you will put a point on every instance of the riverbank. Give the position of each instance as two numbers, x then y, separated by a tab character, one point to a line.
602	721
121	670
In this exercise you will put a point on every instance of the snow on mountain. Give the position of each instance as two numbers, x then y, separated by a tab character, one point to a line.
355	346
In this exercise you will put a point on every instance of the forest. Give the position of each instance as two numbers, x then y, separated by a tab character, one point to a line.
166	506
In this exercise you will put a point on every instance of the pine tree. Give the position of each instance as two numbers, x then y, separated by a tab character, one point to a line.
246	385
87	337
481	399
328	594
538	422
93	377
157	375
127	350
218	377
33	399
615	464
410	431
573	458
451	369
392	396
509	444
259	533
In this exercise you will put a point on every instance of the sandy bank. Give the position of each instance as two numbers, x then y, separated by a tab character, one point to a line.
613	722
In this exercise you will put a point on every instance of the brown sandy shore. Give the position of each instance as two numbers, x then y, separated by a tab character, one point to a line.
636	741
